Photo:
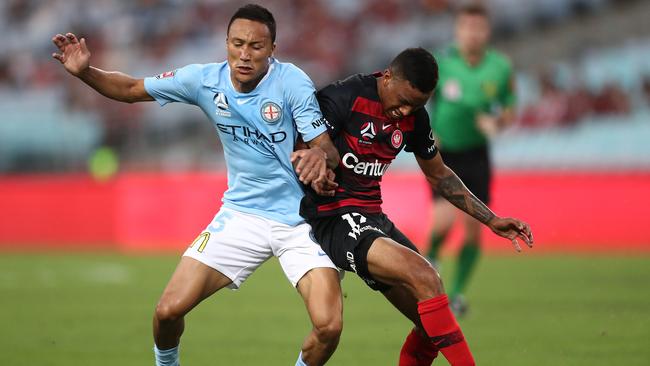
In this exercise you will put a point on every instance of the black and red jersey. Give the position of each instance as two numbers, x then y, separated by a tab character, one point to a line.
367	141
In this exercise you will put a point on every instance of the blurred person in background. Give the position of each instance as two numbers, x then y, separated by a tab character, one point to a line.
553	108
611	100
259	106
371	118
474	101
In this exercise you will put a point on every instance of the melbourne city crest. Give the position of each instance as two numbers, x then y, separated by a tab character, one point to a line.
271	112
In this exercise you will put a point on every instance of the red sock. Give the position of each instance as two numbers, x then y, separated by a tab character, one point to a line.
417	351
441	326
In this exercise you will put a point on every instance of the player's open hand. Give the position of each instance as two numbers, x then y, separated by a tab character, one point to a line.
74	54
327	186
512	229
310	164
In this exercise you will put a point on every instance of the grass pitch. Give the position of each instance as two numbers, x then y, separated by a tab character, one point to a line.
96	309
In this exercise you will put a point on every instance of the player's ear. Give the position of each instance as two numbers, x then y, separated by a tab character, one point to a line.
387	76
272	48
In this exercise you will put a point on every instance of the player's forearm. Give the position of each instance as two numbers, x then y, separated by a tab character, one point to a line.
115	85
333	158
325	143
452	188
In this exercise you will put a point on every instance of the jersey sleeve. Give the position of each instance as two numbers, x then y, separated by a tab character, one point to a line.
421	141
335	103
301	96
181	85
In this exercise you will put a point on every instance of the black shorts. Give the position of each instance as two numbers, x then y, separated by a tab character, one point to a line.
346	238
473	168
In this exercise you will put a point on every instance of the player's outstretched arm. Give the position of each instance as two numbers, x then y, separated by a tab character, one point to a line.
447	183
75	58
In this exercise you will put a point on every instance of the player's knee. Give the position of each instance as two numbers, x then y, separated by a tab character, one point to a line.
168	311
426	281
330	331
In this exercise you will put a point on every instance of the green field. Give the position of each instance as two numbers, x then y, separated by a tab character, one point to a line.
92	309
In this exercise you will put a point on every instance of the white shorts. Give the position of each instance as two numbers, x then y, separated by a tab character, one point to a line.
237	243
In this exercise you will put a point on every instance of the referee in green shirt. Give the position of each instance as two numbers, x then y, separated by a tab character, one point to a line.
473	101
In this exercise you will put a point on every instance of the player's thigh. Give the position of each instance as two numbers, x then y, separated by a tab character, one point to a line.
390	262
321	291
347	238
297	251
191	283
234	244
397	265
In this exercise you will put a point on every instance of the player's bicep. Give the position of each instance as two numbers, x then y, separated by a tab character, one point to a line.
179	85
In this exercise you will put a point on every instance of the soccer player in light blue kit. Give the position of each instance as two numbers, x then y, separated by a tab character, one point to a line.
259	107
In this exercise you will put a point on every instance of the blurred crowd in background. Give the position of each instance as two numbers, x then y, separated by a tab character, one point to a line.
52	122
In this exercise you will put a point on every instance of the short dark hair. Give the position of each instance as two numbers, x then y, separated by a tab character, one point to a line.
418	67
255	13
473	9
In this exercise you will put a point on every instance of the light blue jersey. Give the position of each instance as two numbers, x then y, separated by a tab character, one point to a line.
258	130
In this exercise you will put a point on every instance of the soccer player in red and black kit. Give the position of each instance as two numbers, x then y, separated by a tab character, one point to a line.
371	118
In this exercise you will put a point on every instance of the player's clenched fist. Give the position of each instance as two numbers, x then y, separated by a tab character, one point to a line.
73	54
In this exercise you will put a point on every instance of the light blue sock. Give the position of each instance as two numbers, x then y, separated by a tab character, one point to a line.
167	357
300	362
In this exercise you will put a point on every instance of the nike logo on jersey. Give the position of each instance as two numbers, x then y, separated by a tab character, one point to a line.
386	126
243	101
